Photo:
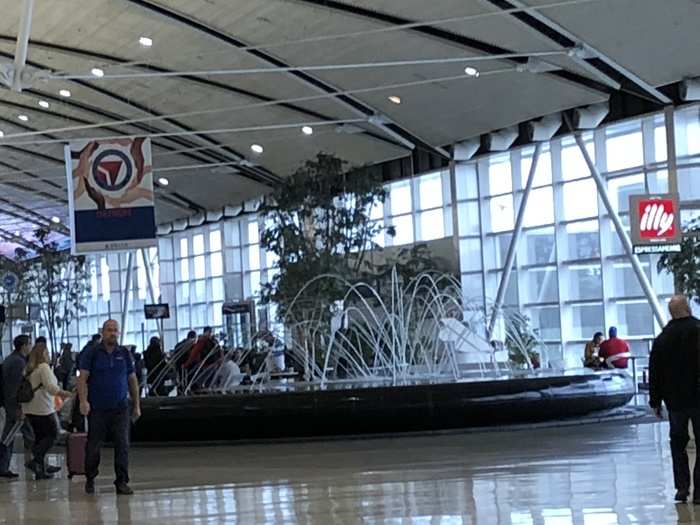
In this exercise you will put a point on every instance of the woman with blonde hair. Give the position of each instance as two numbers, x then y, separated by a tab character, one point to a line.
41	409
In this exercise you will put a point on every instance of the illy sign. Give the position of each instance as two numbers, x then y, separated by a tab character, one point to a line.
655	223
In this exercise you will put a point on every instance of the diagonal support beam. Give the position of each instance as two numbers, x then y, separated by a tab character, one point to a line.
513	246
619	228
25	29
601	64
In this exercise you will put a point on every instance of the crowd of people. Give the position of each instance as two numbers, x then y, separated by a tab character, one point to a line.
32	386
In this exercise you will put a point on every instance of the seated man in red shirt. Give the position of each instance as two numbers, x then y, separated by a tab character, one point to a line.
612	347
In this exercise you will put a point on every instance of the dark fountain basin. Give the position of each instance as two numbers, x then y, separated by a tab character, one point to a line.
380	409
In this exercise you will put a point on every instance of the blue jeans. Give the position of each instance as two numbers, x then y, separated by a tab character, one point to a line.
6	451
108	425
678	420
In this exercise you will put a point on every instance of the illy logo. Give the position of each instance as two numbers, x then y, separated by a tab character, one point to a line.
657	218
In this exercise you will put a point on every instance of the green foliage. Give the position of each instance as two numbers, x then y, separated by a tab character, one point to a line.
685	265
521	339
317	222
54	279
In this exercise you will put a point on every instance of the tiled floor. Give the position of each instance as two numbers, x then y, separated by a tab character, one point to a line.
591	475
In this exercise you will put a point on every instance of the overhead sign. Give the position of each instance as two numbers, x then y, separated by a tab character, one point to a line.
110	193
156	311
655	223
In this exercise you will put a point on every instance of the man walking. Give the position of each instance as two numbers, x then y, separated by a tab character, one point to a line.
106	377
673	379
12	373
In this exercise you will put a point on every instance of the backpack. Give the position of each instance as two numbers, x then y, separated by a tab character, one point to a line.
25	392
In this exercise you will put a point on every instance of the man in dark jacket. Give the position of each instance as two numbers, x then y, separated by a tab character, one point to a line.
12	374
673	379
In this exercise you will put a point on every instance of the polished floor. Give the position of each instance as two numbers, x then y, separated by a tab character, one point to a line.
598	474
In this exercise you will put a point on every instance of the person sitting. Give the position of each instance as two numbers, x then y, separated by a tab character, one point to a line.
229	374
41	410
615	351
201	358
590	353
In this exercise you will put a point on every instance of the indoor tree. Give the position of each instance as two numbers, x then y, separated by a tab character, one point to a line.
684	266
56	281
319	221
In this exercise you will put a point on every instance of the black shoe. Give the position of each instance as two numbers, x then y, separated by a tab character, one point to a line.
90	486
682	496
43	475
33	466
9	475
52	470
124	490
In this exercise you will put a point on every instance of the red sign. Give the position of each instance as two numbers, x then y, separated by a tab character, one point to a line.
658	218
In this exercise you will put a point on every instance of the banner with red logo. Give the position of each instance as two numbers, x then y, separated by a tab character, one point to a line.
110	194
655	223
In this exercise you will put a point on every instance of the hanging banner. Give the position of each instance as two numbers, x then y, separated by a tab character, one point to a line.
655	222
110	194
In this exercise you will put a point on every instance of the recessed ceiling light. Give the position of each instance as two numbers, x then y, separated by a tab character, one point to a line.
2	133
96	71
44	104
395	99
471	71
55	219
163	181
64	93
257	148
307	130
145	41
23	118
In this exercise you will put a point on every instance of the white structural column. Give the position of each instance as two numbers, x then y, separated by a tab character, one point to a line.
621	232
25	29
671	149
125	301
512	248
151	290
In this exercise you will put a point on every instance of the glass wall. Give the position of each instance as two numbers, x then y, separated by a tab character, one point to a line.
571	275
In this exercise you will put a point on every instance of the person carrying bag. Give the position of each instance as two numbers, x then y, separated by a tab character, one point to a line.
36	395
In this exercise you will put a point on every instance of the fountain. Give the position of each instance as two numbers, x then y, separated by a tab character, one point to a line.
415	356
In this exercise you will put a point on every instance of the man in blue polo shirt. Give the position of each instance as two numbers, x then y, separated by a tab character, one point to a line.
106	377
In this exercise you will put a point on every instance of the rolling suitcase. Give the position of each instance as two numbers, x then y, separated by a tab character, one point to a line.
75	453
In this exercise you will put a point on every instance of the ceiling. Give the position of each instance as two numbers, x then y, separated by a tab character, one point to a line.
163	87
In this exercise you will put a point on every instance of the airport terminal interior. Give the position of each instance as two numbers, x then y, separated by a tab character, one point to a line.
371	261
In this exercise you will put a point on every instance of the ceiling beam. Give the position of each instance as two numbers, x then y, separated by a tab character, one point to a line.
92	55
160	143
258	174
407	138
32	217
602	63
9	236
452	38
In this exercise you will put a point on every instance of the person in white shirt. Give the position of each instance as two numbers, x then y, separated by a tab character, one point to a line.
41	409
229	374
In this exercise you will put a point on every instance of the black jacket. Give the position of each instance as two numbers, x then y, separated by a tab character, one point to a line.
673	365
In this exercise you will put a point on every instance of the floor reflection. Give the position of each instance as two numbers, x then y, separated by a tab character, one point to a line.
604	474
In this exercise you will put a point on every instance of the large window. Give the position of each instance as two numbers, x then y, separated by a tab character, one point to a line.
571	273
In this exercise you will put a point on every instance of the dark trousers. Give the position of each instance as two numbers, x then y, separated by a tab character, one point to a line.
27	433
112	425
678	420
45	434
